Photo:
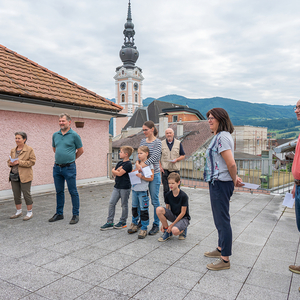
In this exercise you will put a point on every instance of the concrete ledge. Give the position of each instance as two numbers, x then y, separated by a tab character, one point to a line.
6	195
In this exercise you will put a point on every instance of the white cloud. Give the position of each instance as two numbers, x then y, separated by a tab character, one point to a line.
245	50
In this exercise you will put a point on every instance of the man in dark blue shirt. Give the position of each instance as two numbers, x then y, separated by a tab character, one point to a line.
67	147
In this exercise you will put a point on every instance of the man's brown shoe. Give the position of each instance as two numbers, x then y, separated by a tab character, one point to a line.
215	253
295	269
218	265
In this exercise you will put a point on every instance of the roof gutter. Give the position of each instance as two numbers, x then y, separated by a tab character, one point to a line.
60	105
290	146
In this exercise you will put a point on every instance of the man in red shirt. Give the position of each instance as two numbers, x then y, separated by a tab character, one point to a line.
296	188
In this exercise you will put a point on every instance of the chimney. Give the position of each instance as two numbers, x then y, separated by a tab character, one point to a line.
124	132
179	128
163	125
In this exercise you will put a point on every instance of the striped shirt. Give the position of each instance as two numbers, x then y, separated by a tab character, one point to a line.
155	153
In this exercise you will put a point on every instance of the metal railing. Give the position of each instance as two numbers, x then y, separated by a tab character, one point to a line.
272	176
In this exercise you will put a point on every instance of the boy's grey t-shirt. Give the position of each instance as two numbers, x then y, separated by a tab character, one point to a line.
143	186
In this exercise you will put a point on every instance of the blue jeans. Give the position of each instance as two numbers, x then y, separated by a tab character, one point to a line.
115	196
61	175
154	194
297	206
220	193
140	205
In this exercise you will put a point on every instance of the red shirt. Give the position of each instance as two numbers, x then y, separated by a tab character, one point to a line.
296	162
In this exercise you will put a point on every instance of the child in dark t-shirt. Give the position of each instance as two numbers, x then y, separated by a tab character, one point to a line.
121	189
176	211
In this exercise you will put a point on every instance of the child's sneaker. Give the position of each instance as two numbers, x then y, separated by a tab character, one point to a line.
142	234
166	235
182	236
107	226
120	225
133	228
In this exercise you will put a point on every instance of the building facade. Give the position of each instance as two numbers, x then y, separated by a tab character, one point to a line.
250	139
31	98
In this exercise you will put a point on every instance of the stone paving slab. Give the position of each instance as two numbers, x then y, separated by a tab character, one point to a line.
41	260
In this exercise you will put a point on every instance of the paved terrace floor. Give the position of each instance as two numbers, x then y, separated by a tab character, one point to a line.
41	260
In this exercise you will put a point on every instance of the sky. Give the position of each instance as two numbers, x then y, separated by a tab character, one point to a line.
239	49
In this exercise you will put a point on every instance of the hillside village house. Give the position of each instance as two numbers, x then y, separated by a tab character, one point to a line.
173	113
31	98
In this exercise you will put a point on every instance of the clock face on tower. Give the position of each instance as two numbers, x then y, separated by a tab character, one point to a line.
136	86
123	86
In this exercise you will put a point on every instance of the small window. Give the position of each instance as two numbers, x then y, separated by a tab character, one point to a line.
136	98
123	98
257	142
175	118
122	72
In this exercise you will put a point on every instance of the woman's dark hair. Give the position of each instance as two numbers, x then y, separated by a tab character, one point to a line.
151	125
222	116
22	134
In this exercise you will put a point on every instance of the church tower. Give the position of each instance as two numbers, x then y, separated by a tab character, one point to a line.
128	78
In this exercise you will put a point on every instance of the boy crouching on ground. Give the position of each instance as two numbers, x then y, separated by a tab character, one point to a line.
176	211
121	189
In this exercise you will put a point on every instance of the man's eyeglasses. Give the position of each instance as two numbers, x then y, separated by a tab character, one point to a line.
297	107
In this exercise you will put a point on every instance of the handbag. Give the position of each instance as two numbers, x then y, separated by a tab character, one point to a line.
14	176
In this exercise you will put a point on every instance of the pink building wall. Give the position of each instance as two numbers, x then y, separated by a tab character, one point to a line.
39	129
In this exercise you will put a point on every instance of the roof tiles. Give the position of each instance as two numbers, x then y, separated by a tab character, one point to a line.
196	134
22	77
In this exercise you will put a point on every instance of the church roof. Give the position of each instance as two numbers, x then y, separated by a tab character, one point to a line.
21	77
129	53
141	115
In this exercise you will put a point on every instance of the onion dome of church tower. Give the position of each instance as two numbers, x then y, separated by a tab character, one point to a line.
129	54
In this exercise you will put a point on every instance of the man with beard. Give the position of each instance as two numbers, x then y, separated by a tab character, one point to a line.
67	147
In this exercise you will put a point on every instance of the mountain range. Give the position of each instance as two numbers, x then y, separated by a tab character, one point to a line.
240	112
275	117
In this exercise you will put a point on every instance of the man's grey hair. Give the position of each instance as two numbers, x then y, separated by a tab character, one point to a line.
68	117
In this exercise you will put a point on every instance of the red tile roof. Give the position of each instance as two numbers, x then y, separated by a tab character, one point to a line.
195	134
22	77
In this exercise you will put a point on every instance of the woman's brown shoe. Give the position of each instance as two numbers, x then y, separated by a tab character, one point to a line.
16	216
26	218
